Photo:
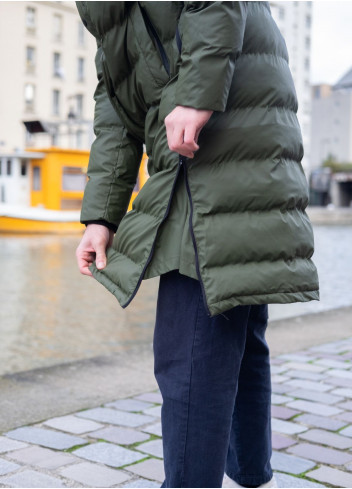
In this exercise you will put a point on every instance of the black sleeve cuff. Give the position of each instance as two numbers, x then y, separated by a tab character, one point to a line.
107	224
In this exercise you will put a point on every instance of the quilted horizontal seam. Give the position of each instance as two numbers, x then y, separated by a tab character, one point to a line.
268	209
273	55
279	107
246	263
262	294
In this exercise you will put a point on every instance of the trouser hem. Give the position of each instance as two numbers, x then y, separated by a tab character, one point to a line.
251	480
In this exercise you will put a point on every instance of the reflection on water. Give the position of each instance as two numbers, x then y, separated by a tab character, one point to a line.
51	314
333	258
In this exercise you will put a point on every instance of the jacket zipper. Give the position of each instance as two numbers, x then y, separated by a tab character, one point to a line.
153	246
164	58
183	162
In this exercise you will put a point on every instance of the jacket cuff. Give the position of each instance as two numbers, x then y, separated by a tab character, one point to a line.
107	224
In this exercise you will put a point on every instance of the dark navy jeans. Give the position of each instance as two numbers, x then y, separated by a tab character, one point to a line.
214	377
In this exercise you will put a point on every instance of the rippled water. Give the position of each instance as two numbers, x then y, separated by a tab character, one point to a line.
51	314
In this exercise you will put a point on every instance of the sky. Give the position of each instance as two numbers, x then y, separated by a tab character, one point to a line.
331	55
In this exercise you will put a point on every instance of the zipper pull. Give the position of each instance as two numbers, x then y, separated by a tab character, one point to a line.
182	159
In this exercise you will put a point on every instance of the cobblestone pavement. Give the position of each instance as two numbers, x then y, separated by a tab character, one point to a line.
119	443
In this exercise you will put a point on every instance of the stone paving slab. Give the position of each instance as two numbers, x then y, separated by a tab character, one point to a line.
31	478
342	391
108	454
338	381
327	362
283	412
320	454
304	374
309	384
278	378
154	447
345	416
314	408
285	480
72	424
326	438
331	476
281	388
93	475
346	431
286	427
150	469
7	445
44	437
322	397
42	457
280	399
289	463
307	367
345	405
6	467
153	411
113	416
154	397
121	436
144	483
154	429
129	405
280	441
320	421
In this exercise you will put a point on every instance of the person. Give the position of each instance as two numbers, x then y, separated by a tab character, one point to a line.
207	88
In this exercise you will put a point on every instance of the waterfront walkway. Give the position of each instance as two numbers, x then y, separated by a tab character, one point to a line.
118	444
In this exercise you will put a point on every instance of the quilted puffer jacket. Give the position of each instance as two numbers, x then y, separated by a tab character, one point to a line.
245	191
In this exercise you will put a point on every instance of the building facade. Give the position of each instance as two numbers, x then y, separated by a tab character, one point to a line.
48	75
294	20
332	121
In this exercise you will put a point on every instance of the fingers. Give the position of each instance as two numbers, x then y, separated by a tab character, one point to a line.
84	260
183	126
100	255
93	247
181	140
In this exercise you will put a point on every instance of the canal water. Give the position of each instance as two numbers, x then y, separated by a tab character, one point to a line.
51	314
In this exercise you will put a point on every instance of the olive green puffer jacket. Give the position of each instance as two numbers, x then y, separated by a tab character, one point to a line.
248	238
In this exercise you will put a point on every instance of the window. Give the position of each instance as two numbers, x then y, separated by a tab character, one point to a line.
81	33
36	184
56	102
57	70
79	103
30	19
74	179
79	138
308	20
57	27
281	13
23	168
306	63
307	42
8	167
80	67
29	94
0	166
30	59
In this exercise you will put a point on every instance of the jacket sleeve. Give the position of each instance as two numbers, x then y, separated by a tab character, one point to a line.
212	37
114	161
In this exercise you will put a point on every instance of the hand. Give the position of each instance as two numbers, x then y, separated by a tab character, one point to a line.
183	126
96	239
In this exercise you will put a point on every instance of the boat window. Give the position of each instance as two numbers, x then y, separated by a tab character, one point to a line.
9	167
23	168
36	178
73	178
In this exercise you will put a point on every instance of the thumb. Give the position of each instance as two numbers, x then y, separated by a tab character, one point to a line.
100	256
